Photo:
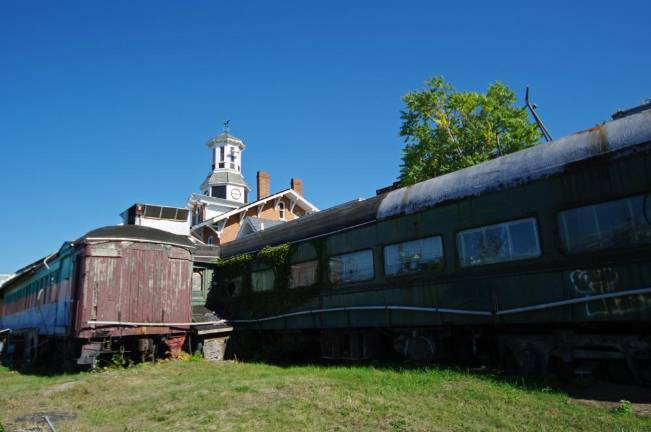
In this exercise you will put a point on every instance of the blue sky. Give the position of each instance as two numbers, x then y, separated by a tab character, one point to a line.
107	103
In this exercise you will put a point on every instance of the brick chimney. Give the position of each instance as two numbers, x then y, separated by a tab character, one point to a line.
297	185
263	184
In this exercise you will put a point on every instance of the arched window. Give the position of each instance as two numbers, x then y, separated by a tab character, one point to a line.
281	210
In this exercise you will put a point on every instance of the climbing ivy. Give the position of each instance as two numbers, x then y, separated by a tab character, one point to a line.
249	304
278	258
233	266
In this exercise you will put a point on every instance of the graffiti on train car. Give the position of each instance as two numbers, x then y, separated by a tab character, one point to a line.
602	281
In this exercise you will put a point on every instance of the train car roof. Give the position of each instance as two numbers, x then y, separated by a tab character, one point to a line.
521	167
343	216
115	232
137	232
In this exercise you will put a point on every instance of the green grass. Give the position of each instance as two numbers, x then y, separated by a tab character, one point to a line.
200	396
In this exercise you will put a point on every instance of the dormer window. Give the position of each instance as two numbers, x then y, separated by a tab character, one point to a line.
281	210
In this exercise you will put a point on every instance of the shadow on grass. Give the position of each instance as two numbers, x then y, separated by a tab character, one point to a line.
583	389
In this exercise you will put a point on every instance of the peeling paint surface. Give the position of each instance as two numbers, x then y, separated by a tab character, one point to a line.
138	282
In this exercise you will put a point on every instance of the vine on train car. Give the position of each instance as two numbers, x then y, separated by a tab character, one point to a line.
242	299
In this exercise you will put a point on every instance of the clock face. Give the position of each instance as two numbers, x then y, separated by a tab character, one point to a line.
236	194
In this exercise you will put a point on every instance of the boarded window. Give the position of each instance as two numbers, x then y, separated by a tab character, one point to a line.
509	241
303	274
262	280
413	256
352	267
613	224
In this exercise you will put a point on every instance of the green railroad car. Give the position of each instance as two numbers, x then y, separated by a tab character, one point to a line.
540	259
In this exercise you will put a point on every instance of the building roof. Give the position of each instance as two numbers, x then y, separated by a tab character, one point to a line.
259	224
291	193
341	217
213	200
254	224
225	137
225	177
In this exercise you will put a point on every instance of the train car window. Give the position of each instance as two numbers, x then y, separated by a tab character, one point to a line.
413	256
303	274
351	267
234	286
262	280
197	282
508	241
613	224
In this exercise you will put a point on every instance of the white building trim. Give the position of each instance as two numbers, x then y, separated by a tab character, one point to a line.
291	194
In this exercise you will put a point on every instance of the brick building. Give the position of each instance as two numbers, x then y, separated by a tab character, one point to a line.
222	213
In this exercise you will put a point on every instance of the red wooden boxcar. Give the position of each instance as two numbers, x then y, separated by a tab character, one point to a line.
118	289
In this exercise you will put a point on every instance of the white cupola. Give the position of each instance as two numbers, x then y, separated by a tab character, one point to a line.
226	180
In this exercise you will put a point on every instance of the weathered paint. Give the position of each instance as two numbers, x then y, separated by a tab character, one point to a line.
133	282
602	164
113	274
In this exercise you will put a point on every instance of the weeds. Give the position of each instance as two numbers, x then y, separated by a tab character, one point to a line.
624	407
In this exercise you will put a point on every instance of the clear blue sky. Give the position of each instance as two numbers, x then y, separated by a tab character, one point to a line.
106	103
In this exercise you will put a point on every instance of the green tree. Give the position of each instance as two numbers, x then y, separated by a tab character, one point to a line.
446	130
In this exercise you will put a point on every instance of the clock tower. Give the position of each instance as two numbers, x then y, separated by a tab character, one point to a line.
226	180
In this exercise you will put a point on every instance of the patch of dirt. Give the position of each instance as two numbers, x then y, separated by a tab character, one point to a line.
607	395
35	422
60	387
38	417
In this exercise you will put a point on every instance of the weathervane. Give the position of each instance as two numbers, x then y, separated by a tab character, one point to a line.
227	125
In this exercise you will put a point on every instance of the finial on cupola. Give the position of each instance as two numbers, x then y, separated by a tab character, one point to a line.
227	126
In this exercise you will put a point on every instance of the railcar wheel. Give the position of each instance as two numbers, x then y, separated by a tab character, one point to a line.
526	362
416	348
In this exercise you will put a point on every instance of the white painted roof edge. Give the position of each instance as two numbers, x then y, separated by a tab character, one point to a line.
298	197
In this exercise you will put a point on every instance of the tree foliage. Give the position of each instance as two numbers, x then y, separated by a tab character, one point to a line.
446	130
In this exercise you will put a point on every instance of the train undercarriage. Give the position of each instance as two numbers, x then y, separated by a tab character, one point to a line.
27	347
619	355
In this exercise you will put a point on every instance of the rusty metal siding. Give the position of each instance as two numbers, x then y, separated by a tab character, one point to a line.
134	282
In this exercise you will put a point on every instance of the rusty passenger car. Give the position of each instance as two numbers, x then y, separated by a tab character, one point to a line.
540	259
118	289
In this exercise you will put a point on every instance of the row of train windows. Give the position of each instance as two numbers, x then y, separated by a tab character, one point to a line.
620	223
34	287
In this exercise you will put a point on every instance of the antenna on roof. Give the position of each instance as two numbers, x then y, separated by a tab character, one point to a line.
532	108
